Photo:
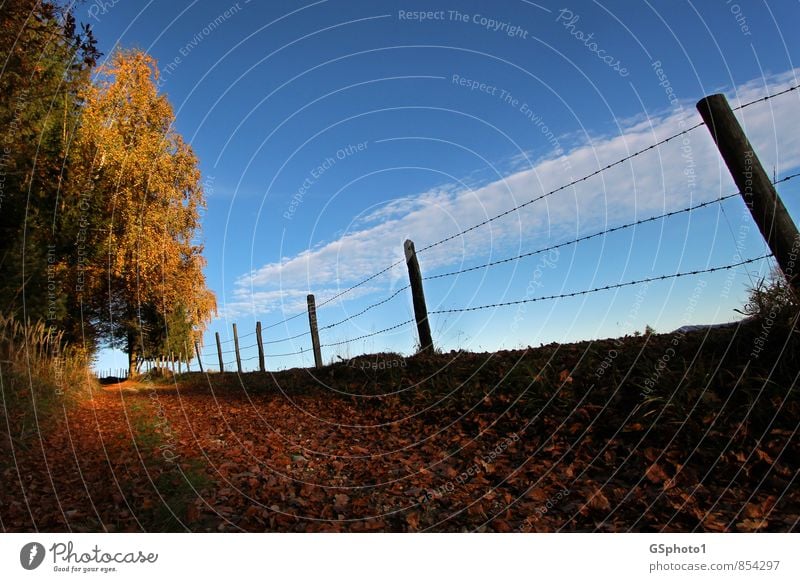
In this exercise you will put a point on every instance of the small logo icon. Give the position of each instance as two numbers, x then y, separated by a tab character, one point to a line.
31	555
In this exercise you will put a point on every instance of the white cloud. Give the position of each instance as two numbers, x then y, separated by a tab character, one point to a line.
253	302
682	172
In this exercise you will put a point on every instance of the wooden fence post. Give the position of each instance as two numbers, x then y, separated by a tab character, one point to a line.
260	342
219	352
312	322
759	194
199	360
236	349
418	298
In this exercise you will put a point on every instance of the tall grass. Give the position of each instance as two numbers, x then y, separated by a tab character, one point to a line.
39	376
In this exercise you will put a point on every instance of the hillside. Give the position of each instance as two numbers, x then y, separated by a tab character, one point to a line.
674	432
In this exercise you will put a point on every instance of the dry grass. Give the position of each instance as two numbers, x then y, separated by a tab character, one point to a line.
39	376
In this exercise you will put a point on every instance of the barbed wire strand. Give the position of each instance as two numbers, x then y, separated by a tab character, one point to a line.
283	321
340	294
767	98
559	189
280	341
360	283
355	339
363	311
604	288
507	212
601	233
590	175
580	239
284	355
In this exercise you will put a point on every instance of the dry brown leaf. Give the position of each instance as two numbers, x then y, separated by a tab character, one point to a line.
655	474
752	524
599	502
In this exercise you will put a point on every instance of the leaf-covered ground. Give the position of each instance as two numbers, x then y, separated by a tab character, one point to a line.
658	433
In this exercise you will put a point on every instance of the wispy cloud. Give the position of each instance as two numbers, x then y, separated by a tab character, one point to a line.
287	300
681	172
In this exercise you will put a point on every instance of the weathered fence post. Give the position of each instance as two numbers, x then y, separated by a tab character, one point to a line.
260	342
759	194
312	322
236	349
199	360
219	352
418	298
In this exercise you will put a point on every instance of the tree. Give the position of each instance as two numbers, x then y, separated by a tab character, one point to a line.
45	64
145	198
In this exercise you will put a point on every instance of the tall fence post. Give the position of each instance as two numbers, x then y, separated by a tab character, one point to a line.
312	322
260	342
219	353
418	298
236	349
199	360
759	194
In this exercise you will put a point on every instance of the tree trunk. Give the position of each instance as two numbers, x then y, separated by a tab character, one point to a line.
131	354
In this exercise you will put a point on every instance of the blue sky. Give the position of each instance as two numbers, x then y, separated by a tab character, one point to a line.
329	132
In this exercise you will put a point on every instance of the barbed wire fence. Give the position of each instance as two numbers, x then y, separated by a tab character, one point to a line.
721	121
